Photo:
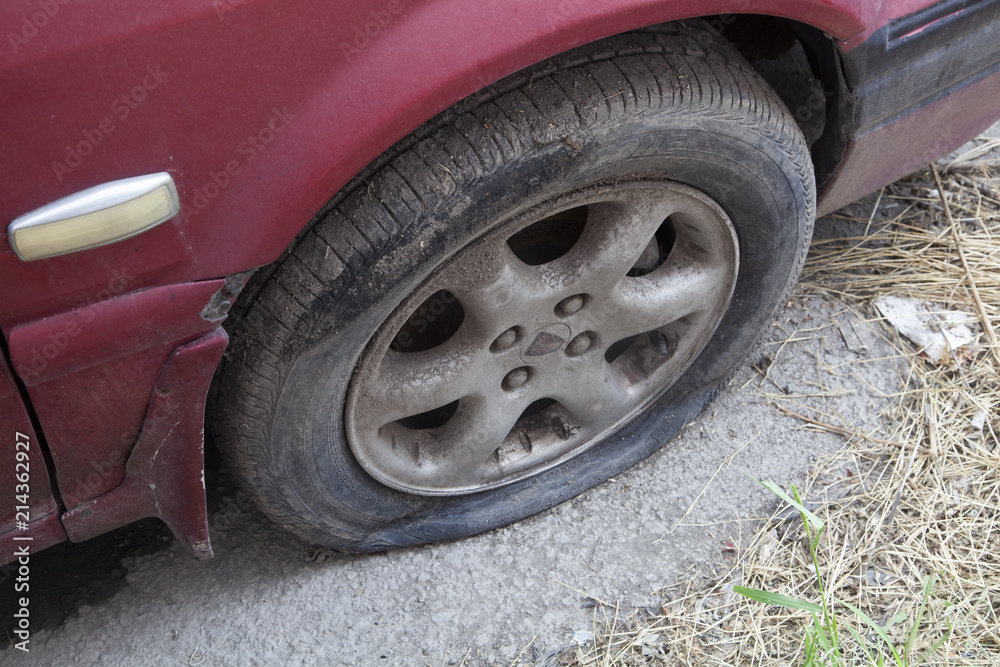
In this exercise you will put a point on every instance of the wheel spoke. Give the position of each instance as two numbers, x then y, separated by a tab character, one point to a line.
414	383
684	285
590	390
614	238
492	284
473	434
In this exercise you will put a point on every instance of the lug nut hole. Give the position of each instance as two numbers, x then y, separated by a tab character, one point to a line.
580	344
515	378
506	340
570	305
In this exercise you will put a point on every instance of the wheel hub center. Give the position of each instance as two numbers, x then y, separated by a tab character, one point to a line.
544	343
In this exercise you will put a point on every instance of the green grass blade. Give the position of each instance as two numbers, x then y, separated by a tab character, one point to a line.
809	649
900	616
934	647
821	634
863	644
814	520
777	599
924	595
829	618
878	630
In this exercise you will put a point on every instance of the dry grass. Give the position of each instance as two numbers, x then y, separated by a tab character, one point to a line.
922	498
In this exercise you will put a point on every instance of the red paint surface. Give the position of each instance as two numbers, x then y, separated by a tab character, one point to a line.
15	427
165	472
885	154
90	373
260	112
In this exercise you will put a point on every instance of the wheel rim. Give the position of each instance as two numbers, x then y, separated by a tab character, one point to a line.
541	337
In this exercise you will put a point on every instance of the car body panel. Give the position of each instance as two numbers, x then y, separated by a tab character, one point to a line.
165	475
922	85
290	100
90	374
260	112
24	477
893	150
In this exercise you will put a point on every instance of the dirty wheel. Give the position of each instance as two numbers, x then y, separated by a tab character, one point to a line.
529	294
541	337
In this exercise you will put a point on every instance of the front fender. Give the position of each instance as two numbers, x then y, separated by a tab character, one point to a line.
259	110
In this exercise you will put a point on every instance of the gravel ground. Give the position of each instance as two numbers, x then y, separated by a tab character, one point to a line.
137	597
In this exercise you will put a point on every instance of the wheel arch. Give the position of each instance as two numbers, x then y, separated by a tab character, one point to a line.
369	102
349	265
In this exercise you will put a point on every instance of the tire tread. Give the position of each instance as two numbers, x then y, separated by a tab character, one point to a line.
673	68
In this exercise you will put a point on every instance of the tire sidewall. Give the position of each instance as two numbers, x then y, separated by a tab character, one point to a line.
749	175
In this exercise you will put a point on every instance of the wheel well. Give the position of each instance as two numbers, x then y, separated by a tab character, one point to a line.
772	45
802	65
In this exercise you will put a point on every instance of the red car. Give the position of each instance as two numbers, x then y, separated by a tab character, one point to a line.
423	268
